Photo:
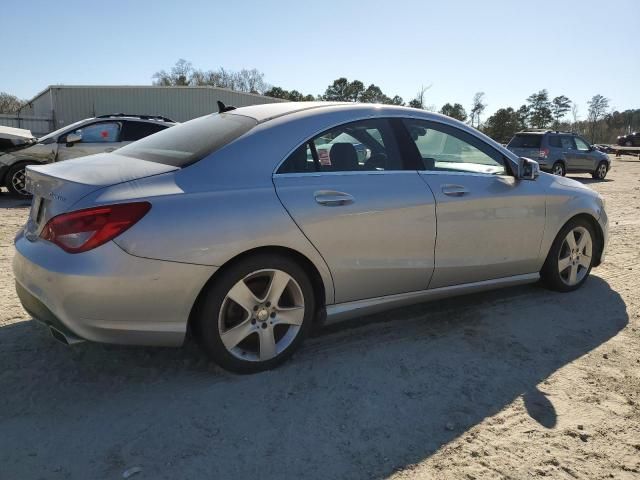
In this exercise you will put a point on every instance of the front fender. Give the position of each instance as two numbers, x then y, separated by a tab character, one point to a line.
566	199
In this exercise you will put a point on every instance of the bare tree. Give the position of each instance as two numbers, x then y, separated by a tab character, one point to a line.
477	108
10	103
418	100
598	107
180	75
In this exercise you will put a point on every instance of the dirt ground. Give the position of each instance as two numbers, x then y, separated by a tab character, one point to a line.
518	383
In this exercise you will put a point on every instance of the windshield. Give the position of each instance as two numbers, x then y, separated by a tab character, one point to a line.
525	141
60	131
191	141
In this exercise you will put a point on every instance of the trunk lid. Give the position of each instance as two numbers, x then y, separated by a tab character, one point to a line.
57	187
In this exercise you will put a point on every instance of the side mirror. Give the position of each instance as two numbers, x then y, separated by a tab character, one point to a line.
528	169
73	138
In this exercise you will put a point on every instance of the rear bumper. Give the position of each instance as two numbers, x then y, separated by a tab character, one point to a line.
106	295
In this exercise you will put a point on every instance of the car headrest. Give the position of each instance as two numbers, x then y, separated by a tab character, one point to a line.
343	157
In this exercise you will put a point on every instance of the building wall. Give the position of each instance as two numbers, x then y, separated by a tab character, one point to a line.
68	104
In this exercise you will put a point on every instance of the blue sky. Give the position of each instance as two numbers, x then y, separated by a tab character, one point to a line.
507	49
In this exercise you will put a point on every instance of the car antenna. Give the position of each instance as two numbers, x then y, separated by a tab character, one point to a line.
223	108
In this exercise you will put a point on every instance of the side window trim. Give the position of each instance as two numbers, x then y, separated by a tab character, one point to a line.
464	137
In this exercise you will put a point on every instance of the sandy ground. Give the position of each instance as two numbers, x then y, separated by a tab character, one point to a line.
518	383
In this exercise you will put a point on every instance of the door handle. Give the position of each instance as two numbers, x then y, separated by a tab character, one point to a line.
109	150
330	198
454	190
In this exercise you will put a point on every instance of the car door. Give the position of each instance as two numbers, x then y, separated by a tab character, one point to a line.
371	219
490	224
570	152
96	137
587	157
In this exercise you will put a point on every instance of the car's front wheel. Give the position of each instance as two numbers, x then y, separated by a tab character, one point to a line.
16	180
570	258
628	143
601	171
558	169
256	313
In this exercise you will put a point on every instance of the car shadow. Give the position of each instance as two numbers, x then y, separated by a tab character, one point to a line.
9	201
360	400
589	180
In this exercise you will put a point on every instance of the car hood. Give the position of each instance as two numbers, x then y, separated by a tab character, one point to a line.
14	138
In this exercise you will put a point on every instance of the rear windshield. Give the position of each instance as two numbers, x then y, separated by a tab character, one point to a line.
524	140
188	142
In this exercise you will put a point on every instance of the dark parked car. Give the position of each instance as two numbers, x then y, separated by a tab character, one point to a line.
631	140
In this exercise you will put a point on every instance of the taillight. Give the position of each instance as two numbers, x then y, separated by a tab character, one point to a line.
83	230
544	153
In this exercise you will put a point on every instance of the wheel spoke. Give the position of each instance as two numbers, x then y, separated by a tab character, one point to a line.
244	297
571	240
279	281
290	316
583	241
573	275
235	335
267	344
563	263
585	261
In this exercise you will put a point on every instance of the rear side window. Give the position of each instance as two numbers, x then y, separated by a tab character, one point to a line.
366	145
132	131
567	142
524	140
191	141
554	141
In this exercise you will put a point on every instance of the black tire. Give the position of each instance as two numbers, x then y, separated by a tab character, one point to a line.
207	314
12	182
601	171
559	168
628	143
550	274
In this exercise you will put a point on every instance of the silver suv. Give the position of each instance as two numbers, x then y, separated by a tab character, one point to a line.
561	152
105	133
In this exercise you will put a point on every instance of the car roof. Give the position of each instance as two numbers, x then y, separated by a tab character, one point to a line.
267	111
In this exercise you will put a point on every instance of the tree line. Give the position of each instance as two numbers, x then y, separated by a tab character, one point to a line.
601	125
539	110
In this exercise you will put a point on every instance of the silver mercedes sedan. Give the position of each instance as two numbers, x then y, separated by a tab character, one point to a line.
250	226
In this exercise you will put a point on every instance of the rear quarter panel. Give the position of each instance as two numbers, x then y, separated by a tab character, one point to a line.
207	227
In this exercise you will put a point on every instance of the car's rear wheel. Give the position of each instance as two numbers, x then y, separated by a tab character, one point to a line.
558	169
256	313
601	171
16	180
571	257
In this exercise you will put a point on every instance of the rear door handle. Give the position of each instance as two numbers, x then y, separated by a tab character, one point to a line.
454	190
330	198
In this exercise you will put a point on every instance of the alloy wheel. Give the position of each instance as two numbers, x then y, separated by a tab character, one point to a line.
602	171
261	315
558	169
574	259
19	182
